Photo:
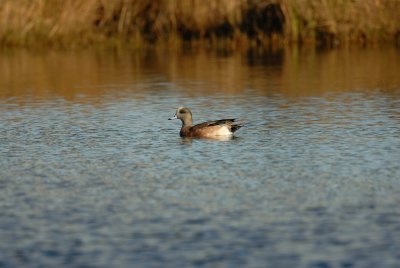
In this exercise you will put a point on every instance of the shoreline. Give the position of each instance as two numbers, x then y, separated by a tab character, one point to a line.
222	24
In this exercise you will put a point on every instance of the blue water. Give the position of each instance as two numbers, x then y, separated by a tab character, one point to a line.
104	180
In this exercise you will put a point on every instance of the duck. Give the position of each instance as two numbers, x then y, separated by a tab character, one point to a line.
209	129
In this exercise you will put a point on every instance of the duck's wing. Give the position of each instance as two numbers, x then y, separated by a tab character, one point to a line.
214	123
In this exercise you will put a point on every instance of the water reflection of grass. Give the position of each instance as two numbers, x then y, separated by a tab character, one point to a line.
222	23
75	75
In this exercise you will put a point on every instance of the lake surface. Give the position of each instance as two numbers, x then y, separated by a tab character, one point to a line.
92	174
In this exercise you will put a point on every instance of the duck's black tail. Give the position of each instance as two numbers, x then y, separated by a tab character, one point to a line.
235	127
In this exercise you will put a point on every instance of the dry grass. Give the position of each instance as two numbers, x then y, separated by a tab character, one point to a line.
228	23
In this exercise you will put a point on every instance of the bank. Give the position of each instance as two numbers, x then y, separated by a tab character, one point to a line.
210	23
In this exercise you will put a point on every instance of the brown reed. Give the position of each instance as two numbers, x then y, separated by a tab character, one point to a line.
215	23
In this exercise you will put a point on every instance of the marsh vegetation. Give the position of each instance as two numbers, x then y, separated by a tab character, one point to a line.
174	23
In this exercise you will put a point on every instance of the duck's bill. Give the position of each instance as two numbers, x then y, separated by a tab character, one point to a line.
174	117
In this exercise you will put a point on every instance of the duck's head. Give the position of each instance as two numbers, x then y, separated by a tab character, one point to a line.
184	114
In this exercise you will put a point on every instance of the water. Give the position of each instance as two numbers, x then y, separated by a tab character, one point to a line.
92	174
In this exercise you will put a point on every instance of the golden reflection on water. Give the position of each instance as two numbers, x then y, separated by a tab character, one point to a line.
74	75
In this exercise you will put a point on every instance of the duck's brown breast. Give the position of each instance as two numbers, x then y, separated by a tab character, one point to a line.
185	132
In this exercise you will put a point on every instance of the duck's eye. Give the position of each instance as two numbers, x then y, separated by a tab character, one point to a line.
182	111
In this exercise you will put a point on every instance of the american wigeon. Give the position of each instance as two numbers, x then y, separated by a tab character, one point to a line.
209	129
